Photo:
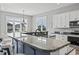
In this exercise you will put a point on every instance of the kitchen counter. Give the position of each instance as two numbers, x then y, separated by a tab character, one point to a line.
73	35
47	44
43	33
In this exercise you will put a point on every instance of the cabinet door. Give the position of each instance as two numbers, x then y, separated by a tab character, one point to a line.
20	47
78	15
67	19
73	15
59	21
27	50
54	53
64	37
14	42
61	37
55	21
62	22
41	52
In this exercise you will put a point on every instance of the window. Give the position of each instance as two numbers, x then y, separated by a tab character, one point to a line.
10	28
15	26
41	21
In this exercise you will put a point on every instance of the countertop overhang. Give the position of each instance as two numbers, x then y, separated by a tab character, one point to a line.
46	44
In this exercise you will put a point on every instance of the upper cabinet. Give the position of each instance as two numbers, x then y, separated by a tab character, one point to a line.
67	19
61	20
55	18
73	15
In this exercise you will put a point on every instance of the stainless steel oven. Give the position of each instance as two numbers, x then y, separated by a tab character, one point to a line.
74	24
73	40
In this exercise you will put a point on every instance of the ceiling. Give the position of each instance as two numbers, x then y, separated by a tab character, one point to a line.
31	8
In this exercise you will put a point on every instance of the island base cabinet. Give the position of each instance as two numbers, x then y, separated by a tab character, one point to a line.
27	50
54	53
20	47
41	52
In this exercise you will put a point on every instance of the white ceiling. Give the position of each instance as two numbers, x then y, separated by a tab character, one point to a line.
31	8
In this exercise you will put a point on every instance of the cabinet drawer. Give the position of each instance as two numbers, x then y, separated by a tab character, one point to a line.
67	50
63	50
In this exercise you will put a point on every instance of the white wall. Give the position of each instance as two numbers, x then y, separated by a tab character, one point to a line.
3	26
49	15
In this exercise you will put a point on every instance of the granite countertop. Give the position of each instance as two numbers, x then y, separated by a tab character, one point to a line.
48	44
73	35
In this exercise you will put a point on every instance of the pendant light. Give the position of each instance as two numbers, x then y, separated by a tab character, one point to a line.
23	16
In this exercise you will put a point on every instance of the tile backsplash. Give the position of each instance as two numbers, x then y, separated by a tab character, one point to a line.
63	30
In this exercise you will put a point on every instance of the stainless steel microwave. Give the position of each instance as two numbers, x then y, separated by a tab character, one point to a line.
74	24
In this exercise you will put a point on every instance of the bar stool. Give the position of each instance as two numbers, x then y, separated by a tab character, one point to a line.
4	51
1	51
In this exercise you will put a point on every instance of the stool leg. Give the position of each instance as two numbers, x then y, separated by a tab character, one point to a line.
7	49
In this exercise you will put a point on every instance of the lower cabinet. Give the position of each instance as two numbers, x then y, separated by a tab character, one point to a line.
27	50
41	52
64	51
63	37
20	47
14	48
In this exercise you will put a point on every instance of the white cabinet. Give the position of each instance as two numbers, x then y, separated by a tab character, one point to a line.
64	37
67	50
67	19
55	21
61	37
73	15
78	15
61	20
58	21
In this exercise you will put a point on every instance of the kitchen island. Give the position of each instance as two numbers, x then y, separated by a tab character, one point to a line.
33	45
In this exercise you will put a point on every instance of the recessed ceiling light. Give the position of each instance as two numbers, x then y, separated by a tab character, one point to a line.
58	3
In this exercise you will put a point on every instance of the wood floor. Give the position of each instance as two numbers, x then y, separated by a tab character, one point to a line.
77	51
77	48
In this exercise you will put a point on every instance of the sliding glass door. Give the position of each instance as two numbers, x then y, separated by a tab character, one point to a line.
17	30
16	25
10	28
